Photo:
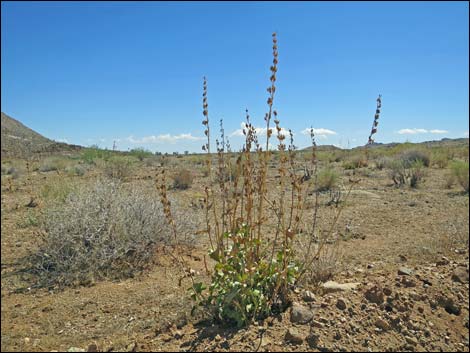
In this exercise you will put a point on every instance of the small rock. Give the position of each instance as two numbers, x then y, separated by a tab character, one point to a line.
382	324
443	261
293	336
313	340
341	304
411	340
76	349
300	314
332	286
404	271
460	275
449	305
308	296
408	282
317	324
375	295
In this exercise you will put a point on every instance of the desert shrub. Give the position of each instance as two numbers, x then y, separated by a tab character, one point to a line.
440	159
56	190
325	265
10	170
30	220
460	170
52	164
327	179
382	162
409	157
140	153
416	173
117	167
182	179
91	154
355	162
75	170
101	231
403	173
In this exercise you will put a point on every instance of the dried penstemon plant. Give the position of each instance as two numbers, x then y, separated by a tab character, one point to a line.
376	120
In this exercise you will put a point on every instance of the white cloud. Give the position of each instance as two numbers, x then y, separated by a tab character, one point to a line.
260	131
412	131
164	138
465	133
421	131
63	140
320	132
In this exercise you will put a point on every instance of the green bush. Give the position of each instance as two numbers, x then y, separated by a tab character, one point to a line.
93	153
140	153
57	190
75	170
52	164
326	180
460	170
118	167
440	159
403	173
409	157
238	292
355	162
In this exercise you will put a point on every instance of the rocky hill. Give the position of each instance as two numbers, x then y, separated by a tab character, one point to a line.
20	141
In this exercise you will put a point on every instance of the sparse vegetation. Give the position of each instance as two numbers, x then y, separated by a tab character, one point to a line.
410	157
118	167
99	231
460	171
404	172
327	179
141	153
52	164
182	179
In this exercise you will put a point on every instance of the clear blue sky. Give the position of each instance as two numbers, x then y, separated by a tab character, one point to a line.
90	72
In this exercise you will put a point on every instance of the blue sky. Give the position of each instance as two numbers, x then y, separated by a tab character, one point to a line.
91	72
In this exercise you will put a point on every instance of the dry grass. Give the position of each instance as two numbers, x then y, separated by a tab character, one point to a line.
100	231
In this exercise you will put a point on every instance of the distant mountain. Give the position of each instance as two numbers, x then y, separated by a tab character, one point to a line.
443	142
20	141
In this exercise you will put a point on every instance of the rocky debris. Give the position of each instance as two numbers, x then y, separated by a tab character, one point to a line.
443	261
375	295
341	304
308	296
313	339
92	348
448	304
76	349
300	314
460	275
293	336
332	286
407	282
131	347
404	271
382	324
411	340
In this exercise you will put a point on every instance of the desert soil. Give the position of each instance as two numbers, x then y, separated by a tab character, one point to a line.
403	250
